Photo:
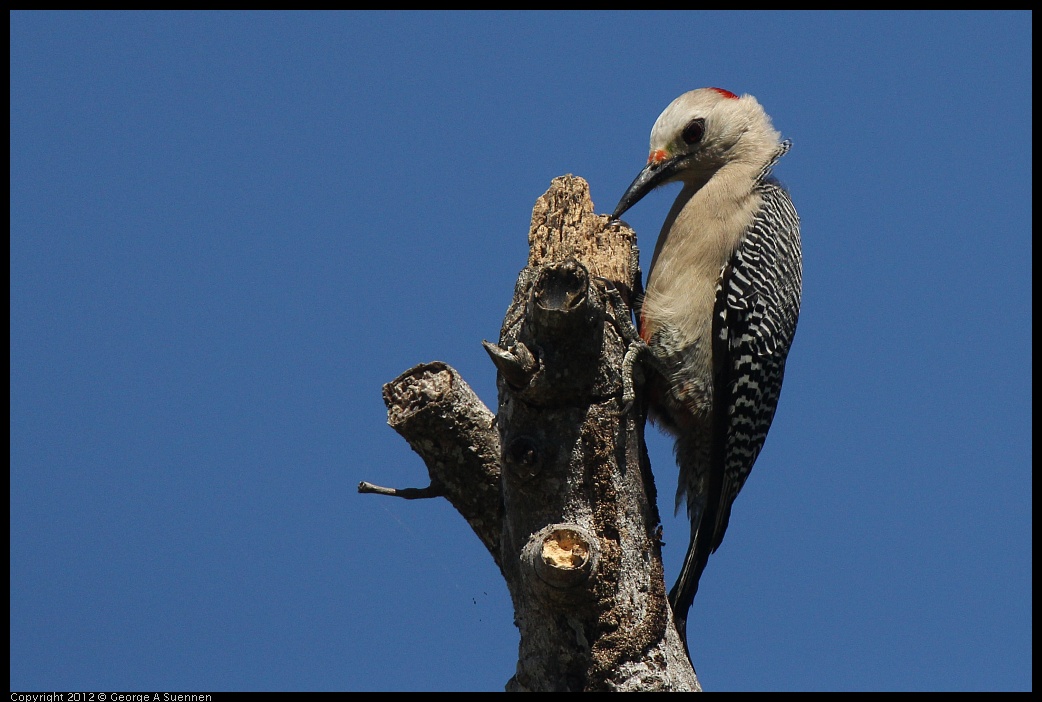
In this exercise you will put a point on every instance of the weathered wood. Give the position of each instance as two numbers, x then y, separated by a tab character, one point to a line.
558	487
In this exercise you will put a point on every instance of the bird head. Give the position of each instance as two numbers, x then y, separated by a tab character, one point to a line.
699	133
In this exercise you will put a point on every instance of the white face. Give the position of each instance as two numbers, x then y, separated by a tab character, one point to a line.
726	121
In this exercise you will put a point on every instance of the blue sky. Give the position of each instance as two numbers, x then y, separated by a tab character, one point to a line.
229	230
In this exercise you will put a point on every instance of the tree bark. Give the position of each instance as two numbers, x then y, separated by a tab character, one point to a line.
557	484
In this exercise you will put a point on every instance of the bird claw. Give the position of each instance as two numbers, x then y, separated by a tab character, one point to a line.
636	347
627	407
630	366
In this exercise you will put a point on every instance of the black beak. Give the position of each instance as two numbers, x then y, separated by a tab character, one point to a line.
653	175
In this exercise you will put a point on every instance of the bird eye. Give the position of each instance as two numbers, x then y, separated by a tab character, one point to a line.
693	132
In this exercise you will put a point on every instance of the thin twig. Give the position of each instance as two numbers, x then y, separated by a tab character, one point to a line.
431	490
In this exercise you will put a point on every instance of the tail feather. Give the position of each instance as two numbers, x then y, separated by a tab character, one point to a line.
684	590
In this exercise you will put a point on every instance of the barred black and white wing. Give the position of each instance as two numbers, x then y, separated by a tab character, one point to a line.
758	305
754	321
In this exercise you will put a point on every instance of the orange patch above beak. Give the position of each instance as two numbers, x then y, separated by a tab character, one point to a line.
657	156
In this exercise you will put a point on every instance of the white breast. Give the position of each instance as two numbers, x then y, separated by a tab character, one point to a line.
699	236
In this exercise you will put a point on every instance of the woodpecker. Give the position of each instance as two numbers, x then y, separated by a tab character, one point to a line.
720	306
